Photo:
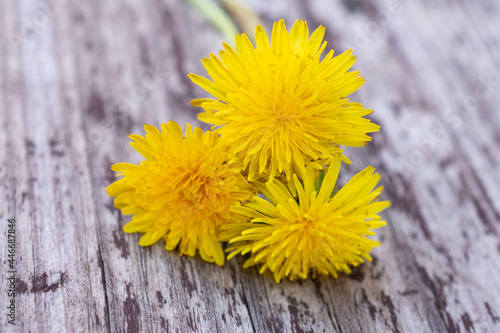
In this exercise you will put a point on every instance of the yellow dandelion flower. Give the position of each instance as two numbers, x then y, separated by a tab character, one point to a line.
282	106
182	191
318	232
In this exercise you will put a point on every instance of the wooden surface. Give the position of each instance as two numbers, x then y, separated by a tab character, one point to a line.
78	77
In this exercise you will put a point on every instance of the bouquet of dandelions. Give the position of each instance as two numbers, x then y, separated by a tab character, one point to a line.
264	179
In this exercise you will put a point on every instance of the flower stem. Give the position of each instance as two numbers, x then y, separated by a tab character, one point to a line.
216	16
246	18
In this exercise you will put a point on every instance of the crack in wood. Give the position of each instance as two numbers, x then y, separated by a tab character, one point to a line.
100	263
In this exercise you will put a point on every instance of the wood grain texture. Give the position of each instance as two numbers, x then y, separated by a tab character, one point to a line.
77	77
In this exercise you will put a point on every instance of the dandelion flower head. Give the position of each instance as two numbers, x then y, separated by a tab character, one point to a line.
319	232
282	106
182	191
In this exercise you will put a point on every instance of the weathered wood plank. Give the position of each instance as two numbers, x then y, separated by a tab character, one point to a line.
77	80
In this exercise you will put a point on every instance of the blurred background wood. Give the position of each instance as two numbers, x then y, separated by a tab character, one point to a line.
77	77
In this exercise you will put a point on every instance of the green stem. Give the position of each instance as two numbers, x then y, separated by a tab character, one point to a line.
217	17
242	14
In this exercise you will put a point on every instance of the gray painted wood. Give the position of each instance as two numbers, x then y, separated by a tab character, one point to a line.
77	77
